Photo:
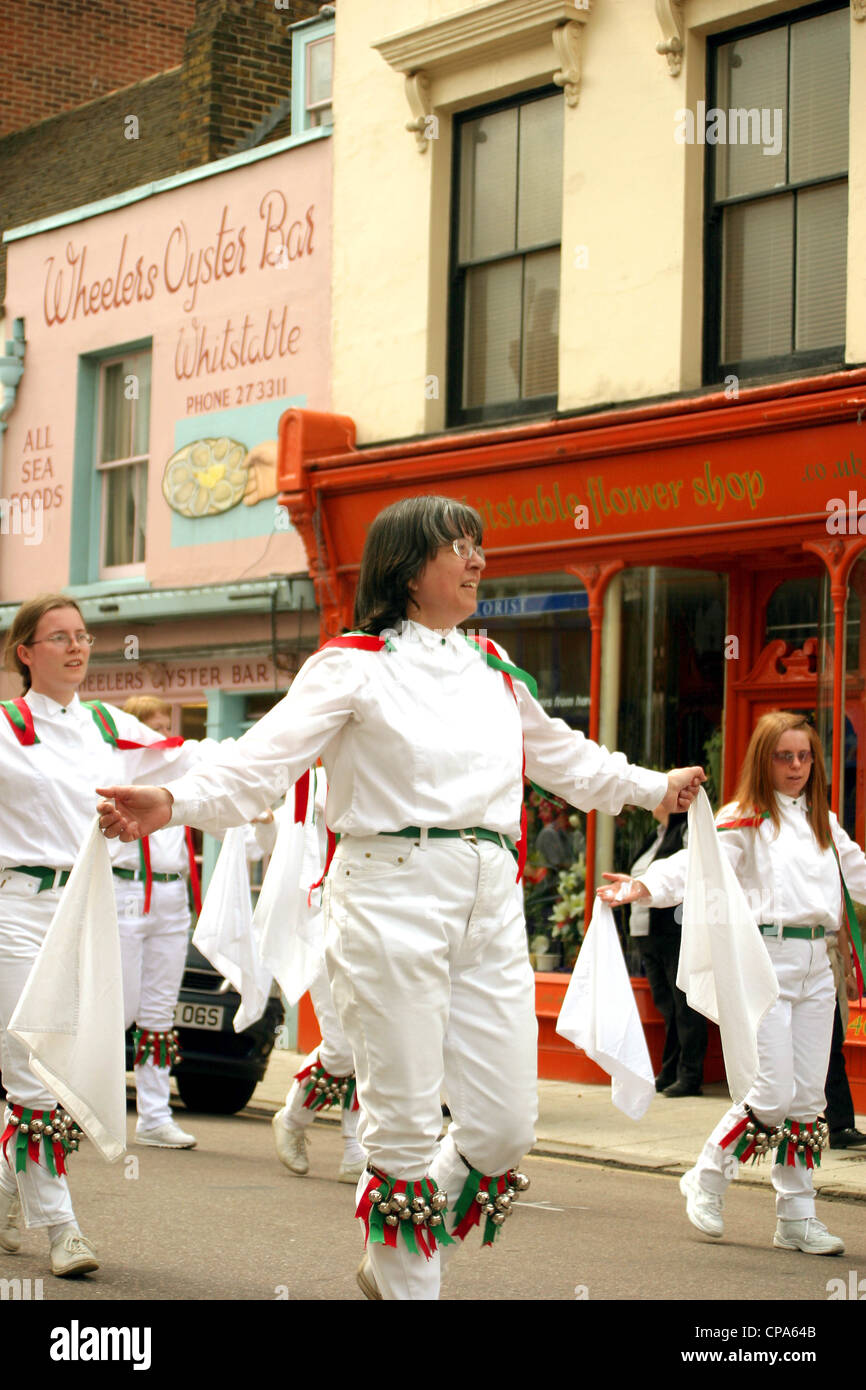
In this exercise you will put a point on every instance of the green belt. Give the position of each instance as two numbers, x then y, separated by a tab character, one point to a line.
414	832
48	878
154	878
808	933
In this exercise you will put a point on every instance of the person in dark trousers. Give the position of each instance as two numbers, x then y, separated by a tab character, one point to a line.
659	932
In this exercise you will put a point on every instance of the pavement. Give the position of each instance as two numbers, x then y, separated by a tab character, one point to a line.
579	1122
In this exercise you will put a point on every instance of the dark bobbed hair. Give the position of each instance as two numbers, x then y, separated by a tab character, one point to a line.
24	625
399	544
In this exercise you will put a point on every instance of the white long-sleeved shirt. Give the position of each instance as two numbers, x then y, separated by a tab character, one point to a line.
47	791
424	734
787	879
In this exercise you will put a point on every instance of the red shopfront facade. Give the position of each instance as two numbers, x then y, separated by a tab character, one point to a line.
761	492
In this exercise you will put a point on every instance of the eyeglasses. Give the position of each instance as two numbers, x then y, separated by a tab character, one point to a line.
804	758
65	639
464	549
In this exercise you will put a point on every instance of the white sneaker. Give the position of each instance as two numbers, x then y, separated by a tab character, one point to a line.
703	1208
167	1136
291	1145
351	1168
72	1253
10	1236
811	1236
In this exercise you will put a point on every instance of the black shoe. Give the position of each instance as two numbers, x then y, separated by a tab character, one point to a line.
846	1139
662	1082
681	1088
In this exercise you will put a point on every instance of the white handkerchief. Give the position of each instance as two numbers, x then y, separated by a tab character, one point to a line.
224	933
70	1014
724	970
599	1015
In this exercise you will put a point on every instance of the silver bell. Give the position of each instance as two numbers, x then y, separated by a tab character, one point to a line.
392	1220
375	1195
418	1218
480	1197
439	1201
497	1219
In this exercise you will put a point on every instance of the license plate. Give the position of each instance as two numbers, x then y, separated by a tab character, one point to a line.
198	1016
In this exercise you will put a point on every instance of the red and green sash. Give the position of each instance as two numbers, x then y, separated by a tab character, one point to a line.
20	718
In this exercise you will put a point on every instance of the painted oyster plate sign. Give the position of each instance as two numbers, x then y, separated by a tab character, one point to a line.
206	477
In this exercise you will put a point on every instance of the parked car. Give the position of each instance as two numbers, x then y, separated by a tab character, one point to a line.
219	1068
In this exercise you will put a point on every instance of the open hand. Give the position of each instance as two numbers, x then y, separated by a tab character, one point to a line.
128	813
621	889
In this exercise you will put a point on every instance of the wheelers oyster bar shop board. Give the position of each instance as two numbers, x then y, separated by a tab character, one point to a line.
162	334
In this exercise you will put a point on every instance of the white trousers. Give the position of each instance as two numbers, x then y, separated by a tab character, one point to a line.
793	1056
153	951
333	1053
427	955
24	919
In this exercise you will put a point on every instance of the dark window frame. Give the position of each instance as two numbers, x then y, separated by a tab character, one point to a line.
715	370
457	414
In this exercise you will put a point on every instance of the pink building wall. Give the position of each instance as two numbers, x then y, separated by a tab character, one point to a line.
229	277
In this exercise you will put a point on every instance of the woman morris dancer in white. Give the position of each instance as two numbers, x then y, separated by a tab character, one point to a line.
789	853
424	735
53	751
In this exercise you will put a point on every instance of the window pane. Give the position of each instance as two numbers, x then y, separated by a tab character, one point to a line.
751	83
539	197
116	415
488	170
491	334
139	367
320	68
119	515
822	234
540	324
757	279
819	96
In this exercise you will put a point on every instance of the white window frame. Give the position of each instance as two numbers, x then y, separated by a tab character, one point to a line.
305	36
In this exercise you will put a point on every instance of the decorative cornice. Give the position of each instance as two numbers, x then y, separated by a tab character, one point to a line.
423	122
567	40
478	35
670	17
484	30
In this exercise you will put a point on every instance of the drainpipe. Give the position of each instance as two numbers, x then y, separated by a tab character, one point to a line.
11	372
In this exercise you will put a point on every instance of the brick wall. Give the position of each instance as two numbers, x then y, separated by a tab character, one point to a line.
81	156
59	54
237	68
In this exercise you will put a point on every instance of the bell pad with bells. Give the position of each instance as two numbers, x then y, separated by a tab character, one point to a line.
791	1142
322	1090
416	1209
494	1197
55	1130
